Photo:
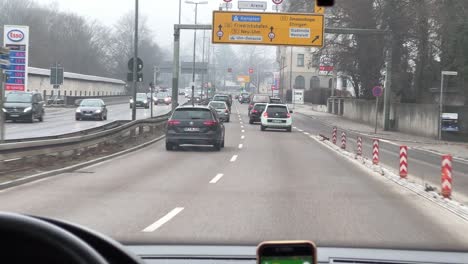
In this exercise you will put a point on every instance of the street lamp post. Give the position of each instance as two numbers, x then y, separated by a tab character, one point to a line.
441	98
194	44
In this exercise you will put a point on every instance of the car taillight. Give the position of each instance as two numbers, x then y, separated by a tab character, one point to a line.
226	111
250	105
210	123
265	114
254	111
173	122
288	115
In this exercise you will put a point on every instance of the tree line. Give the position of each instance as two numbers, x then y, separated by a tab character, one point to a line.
427	36
81	45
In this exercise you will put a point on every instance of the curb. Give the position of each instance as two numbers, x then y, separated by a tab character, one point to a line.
42	175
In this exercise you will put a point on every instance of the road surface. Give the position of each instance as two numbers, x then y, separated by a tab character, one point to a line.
62	120
261	186
424	165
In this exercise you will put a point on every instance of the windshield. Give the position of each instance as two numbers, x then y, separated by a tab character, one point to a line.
218	105
364	143
91	103
19	98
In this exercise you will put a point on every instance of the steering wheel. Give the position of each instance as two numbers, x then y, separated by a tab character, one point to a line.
29	238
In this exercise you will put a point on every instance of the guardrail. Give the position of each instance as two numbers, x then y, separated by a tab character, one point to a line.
74	144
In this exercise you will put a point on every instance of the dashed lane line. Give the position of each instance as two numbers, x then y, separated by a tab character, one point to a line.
234	158
217	178
241	146
153	227
242	137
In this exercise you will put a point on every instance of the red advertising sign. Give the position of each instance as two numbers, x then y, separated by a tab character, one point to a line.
326	68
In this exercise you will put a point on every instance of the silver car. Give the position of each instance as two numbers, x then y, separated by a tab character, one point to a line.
222	110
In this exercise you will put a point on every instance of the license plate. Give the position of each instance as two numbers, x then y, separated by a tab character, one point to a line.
192	129
14	115
277	121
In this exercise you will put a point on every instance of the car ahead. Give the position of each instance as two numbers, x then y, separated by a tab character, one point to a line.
256	112
244	98
161	98
276	116
258	98
141	101
195	125
275	100
222	109
223	98
55	100
25	106
91	109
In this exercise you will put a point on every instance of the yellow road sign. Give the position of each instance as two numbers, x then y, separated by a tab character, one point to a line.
319	9
243	78
289	29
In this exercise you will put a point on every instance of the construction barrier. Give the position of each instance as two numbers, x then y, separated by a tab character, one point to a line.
334	135
446	176
403	161
359	146
375	151
343	140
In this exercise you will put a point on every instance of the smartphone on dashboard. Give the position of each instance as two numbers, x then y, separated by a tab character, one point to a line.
287	252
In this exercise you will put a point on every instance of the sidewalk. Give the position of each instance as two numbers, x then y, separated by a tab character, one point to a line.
457	149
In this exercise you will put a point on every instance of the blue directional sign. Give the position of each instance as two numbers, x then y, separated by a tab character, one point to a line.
243	18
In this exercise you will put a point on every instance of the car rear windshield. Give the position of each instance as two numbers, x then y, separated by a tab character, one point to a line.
192	113
19	98
273	109
141	96
218	105
261	98
260	107
221	98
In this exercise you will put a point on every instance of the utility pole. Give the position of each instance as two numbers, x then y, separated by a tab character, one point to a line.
203	62
135	61
290	76
388	85
175	67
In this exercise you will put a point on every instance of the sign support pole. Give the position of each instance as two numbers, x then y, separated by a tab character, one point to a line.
175	69
376	113
2	99
135	62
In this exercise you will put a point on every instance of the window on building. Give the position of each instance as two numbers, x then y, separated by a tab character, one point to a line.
314	82
300	60
299	83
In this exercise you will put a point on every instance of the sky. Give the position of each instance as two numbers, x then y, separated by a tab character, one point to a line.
161	14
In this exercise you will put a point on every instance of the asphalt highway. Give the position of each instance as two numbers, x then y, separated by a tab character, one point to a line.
262	186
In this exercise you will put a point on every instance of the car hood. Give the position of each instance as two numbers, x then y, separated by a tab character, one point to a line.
89	108
19	105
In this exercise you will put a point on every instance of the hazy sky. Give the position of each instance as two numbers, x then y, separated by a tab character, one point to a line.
161	14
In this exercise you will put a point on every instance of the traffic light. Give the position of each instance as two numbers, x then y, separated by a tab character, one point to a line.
4	58
130	77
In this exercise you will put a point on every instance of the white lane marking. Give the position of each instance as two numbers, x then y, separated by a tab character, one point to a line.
242	126
243	131
241	146
234	158
306	133
300	130
241	122
163	220
295	127
217	178
242	137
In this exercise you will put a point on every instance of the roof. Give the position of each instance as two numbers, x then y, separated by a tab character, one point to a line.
193	106
75	76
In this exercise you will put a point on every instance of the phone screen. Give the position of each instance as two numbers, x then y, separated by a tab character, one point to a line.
287	260
286	253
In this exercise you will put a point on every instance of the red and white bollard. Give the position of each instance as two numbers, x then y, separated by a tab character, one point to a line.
359	146
343	140
375	151
334	135
446	176
403	162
